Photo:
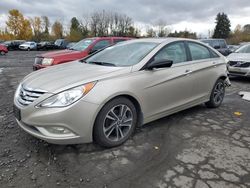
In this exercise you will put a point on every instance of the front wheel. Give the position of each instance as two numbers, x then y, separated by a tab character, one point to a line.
115	123
2	53
217	94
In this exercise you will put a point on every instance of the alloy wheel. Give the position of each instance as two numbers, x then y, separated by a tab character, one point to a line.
219	93
117	123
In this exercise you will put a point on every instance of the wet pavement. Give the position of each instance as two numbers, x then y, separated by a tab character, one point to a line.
199	147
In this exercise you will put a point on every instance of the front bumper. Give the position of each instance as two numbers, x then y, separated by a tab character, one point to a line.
78	118
23	48
239	71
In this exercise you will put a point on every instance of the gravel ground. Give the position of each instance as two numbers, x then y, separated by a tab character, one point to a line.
198	148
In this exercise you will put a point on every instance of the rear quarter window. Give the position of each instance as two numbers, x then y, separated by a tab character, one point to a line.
119	40
101	44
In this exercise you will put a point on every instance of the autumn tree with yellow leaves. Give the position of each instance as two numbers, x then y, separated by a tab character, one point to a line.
18	25
57	29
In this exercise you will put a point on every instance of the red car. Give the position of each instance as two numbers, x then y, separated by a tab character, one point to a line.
78	51
3	49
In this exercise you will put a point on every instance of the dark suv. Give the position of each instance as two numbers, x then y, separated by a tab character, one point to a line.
46	45
13	44
61	44
218	44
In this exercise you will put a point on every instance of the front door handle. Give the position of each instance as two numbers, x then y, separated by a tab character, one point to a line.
188	72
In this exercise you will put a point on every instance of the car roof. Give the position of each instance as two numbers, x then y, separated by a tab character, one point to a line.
163	40
97	38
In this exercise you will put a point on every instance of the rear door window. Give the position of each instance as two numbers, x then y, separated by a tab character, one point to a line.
198	52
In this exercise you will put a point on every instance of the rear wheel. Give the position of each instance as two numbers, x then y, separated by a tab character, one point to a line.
217	94
2	53
115	123
28	49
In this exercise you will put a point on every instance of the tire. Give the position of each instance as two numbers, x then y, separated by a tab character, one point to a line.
28	49
2	53
112	127
217	94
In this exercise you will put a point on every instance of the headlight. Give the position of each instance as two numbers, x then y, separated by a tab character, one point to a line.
67	97
47	61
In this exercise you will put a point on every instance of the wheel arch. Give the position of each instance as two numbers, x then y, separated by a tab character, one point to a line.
223	77
132	98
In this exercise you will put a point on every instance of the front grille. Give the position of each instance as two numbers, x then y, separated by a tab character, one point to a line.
38	60
27	95
239	64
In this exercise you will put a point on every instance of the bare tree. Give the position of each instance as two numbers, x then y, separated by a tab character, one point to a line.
109	23
161	28
85	25
45	24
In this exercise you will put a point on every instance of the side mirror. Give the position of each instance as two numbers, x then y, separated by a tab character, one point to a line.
161	63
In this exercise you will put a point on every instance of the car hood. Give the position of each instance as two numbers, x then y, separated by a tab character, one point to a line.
25	45
59	53
61	77
239	57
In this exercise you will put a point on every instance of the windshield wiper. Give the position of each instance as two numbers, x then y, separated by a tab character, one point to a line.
72	49
102	63
82	61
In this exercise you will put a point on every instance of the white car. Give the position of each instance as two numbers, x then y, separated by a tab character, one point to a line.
239	62
28	46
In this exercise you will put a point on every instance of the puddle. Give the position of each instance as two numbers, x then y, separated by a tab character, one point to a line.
245	95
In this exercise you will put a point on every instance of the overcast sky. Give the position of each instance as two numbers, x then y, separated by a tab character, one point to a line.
194	15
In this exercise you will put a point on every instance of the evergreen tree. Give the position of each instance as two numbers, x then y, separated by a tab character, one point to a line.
222	28
74	24
75	30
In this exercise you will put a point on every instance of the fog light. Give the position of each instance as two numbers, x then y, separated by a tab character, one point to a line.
56	132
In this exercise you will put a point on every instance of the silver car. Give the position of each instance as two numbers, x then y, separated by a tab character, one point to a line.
239	62
103	97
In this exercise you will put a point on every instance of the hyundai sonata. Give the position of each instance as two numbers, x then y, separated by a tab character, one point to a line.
103	97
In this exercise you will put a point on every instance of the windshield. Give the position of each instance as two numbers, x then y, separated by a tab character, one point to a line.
27	43
123	54
82	45
244	49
